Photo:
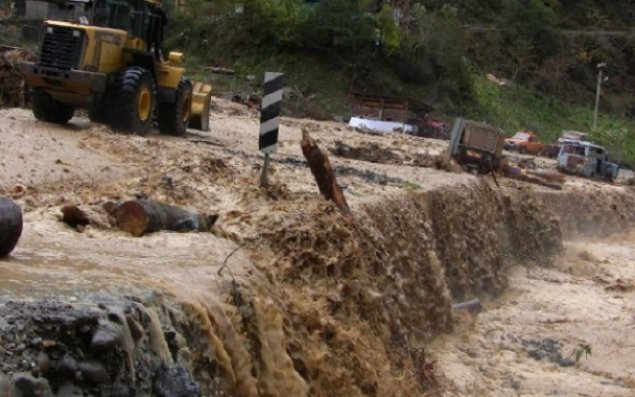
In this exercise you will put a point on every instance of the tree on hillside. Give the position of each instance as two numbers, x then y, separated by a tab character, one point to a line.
528	29
341	23
432	53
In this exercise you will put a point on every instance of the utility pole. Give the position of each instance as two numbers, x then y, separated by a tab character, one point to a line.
601	79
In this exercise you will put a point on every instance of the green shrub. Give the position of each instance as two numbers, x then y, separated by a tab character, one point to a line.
432	53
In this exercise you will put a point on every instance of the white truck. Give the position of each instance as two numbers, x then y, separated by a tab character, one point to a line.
586	159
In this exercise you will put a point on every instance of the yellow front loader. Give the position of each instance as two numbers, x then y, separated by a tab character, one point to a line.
111	63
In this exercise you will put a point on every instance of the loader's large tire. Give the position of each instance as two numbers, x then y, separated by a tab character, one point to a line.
98	113
133	100
174	117
46	108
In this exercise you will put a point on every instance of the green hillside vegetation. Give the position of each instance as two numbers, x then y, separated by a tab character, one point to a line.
516	108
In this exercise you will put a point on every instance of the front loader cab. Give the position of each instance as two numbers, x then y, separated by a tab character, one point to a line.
141	19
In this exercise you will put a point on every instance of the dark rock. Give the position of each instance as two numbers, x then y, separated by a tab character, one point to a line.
94	372
549	349
66	367
9	367
175	381
107	336
36	342
120	390
69	389
25	385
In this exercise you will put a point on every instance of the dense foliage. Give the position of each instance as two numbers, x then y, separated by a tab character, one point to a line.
359	37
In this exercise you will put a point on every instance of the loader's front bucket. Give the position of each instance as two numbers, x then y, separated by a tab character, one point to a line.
201	95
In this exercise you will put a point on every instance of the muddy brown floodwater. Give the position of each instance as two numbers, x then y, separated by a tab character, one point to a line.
285	297
533	340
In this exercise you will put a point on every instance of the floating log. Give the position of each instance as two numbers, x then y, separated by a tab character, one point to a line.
10	225
323	173
143	216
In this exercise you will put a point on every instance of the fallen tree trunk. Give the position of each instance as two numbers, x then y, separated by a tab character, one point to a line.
143	216
10	225
549	176
519	174
323	173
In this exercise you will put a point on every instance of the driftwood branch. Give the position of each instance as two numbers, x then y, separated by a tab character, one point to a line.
10	225
553	181
323	173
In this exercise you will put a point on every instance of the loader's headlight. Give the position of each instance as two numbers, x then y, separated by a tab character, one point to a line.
49	30
76	33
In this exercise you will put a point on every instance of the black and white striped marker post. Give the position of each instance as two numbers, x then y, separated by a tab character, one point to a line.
269	118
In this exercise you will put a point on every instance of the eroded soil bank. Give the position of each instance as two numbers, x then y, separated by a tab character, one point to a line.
326	307
285	297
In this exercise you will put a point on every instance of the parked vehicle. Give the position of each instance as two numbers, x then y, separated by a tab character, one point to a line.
553	149
476	145
525	142
586	159
429	128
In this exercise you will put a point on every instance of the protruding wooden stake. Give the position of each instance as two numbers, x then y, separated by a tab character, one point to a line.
323	173
265	170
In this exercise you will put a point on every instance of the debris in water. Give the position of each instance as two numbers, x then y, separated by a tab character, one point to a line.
549	349
473	306
143	216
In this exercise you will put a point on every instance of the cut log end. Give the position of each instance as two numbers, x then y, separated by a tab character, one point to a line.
10	225
132	218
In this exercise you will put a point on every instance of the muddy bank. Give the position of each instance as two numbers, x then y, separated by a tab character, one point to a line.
595	211
341	307
338	308
361	298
